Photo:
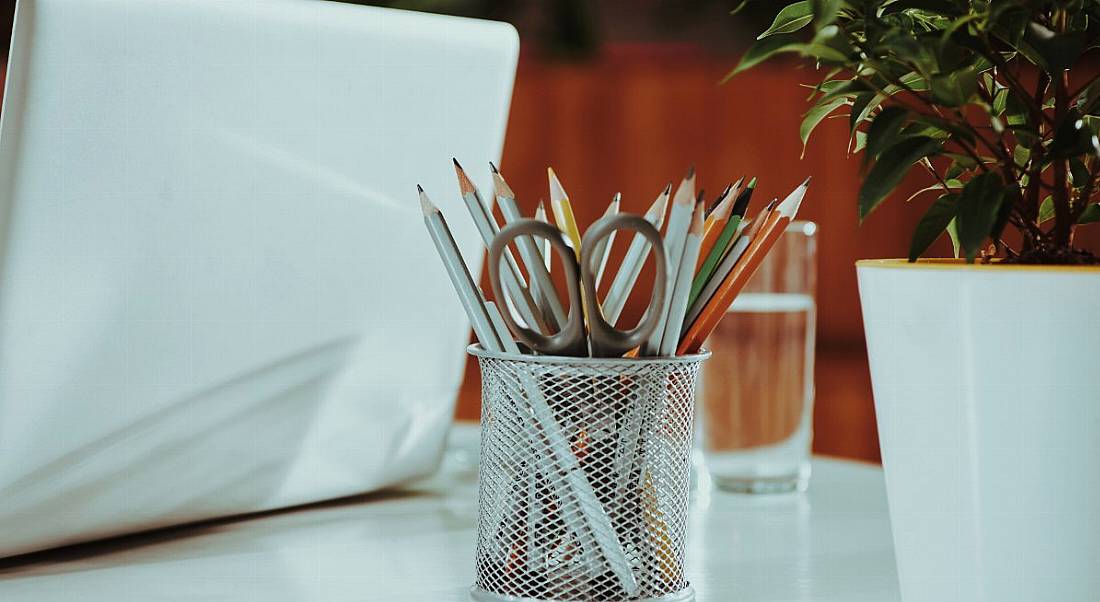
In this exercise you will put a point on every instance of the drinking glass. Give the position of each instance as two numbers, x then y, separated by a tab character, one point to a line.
757	394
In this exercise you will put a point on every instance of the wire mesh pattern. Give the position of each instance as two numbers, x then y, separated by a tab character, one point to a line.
584	477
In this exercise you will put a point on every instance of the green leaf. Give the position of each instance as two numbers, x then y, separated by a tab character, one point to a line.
1054	52
792	18
1000	101
1073	138
815	116
1089	99
890	168
830	45
833	88
955	88
1090	214
1008	200
861	106
884	131
932	225
1021	155
764	49
1078	172
860	142
940	7
1046	209
979	203
953	233
951	185
825	12
960	164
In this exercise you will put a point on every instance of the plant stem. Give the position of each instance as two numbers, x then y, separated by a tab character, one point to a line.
1063	224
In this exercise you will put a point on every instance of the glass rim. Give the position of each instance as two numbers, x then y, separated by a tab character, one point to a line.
804	227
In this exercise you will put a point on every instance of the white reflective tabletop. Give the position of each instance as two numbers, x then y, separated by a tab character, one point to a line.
831	543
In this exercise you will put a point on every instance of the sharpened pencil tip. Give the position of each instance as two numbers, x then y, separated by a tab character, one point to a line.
685	192
668	188
690	173
457	164
742	203
722	207
426	204
419	189
557	192
493	168
501	187
806	182
464	183
790	205
697	220
752	182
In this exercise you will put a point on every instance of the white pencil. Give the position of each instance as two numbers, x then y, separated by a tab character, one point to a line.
460	276
540	214
511	278
542	287
682	291
633	262
603	247
679	220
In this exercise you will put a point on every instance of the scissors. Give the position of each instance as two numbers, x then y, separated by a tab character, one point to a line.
571	340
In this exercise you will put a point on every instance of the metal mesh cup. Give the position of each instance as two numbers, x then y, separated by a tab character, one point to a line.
584	477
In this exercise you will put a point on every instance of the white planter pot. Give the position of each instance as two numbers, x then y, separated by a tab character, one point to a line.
987	390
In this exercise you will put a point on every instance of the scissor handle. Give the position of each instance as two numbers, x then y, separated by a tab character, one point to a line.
570	339
608	341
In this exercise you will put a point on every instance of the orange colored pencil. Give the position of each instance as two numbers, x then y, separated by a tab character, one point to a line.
717	219
772	228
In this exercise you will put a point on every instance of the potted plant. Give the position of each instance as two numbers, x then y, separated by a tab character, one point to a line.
984	368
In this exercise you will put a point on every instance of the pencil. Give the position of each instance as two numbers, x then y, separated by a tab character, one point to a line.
714	204
540	214
633	261
744	237
762	242
679	220
682	290
555	450
713	257
463	283
603	247
542	287
563	212
715	223
511	278
500	327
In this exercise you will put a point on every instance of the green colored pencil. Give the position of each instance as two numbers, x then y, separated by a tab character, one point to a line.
722	245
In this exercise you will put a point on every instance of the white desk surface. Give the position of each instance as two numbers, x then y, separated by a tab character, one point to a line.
830	544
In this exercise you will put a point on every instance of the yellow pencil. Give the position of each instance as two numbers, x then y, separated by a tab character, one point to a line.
563	212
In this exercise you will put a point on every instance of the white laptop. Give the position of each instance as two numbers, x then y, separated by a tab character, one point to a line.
217	295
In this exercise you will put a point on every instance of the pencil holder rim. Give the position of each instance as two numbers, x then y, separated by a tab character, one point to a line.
478	351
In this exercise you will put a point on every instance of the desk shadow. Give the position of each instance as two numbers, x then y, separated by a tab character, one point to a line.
226	448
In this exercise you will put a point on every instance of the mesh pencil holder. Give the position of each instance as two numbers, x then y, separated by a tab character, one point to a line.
584	477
